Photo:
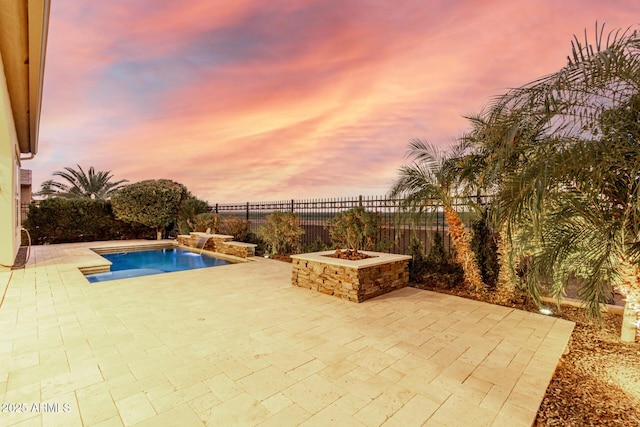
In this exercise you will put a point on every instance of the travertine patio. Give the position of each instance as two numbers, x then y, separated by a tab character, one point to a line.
238	345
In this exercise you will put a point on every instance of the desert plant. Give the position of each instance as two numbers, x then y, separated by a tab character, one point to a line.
237	227
190	208
316	246
206	221
154	203
281	233
356	229
433	175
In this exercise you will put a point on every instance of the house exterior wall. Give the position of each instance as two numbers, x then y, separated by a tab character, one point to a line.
9	179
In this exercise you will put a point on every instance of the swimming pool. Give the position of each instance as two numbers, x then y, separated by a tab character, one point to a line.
156	261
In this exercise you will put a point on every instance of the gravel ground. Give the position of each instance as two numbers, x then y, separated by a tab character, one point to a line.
597	383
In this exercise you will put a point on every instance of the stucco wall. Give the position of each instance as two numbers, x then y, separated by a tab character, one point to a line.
9	181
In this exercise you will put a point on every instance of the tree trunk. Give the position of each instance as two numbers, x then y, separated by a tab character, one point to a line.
464	254
630	288
505	285
159	231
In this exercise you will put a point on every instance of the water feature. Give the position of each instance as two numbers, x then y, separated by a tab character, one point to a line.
202	239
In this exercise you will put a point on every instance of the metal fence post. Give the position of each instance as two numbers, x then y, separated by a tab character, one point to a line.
291	205
247	211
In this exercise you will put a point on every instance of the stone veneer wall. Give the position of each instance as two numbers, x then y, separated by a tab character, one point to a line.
352	283
220	243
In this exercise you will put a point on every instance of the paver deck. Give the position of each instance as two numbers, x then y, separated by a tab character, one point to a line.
238	345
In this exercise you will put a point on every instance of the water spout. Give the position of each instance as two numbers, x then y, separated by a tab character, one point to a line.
201	240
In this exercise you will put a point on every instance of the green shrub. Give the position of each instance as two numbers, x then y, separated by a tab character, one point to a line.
206	221
357	229
281	233
61	220
154	203
237	227
190	208
317	246
484	244
437	269
417	264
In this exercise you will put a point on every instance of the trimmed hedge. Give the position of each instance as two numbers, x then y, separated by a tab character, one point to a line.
60	220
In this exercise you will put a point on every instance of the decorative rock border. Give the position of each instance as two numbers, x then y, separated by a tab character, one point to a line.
220	243
355	281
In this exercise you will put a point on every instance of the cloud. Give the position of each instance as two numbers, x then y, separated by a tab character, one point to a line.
250	100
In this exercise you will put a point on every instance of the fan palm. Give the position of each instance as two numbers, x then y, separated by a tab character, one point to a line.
78	184
432	176
567	150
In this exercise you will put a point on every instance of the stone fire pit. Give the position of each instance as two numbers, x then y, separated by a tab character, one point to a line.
353	280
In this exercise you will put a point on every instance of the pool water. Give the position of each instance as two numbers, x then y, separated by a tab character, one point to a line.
158	261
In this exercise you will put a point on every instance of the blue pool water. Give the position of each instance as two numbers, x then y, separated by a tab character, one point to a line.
145	263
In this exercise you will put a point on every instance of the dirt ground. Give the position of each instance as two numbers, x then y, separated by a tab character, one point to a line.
597	381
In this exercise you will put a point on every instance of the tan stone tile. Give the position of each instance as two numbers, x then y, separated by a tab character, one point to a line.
478	384
373	359
291	415
314	393
265	382
331	416
26	393
413	413
61	411
68	382
197	370
135	408
350	403
457	411
96	407
424	387
202	405
288	359
514	415
309	368
234	369
175	398
133	387
243	409
356	384
32	374
391	374
223	387
28	418
181	415
277	403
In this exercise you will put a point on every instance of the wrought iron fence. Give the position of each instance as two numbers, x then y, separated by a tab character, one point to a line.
397	227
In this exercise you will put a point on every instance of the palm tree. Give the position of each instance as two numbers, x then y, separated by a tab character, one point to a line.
483	156
566	148
94	185
431	176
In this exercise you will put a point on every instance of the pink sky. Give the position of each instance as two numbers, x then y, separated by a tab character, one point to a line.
251	100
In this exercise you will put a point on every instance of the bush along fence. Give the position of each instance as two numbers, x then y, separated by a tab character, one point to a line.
395	231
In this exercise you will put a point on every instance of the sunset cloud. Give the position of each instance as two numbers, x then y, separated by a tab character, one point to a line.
253	100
